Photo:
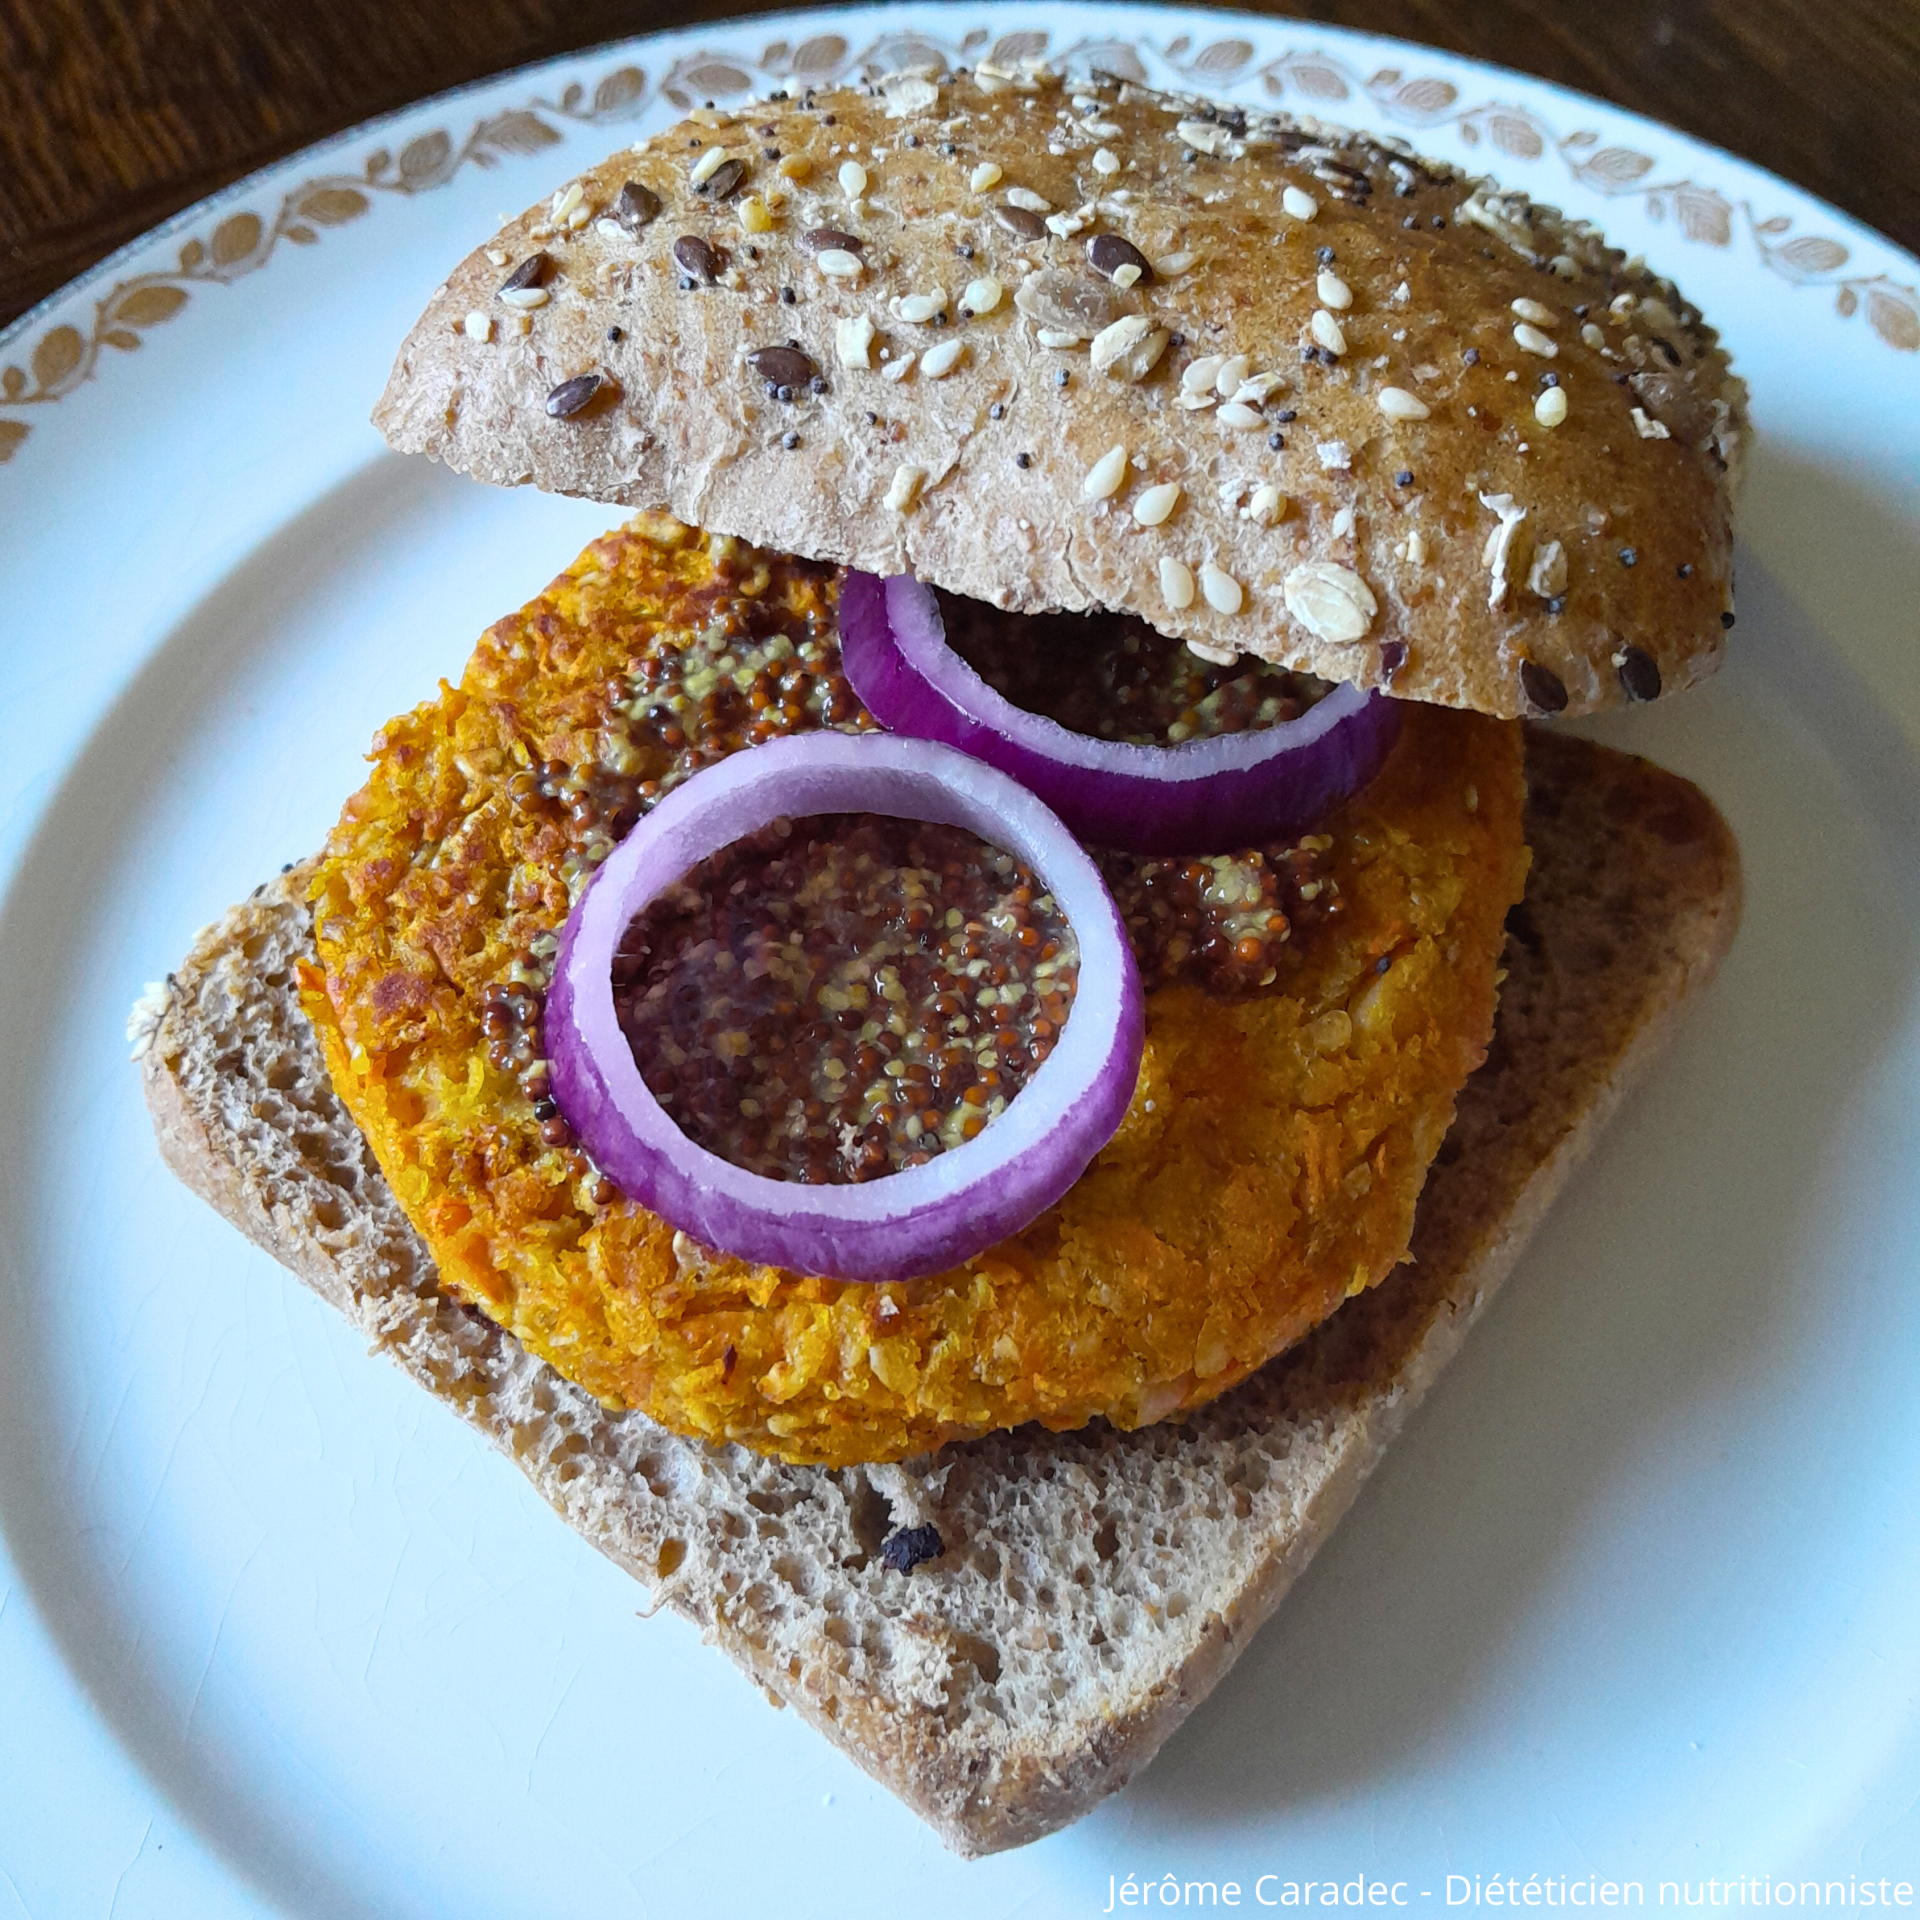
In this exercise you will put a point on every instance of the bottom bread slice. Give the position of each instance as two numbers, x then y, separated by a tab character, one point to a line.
1092	1587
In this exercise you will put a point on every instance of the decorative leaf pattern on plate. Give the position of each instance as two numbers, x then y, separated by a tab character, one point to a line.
65	357
1894	314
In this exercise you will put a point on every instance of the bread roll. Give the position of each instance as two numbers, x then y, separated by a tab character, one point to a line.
1276	388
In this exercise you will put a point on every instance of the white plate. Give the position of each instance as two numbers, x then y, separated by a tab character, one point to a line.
1632	1600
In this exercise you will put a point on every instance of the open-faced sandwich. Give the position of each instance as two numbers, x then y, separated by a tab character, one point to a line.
943	1034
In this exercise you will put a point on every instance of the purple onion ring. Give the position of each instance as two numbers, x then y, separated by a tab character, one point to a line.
1209	796
922	1219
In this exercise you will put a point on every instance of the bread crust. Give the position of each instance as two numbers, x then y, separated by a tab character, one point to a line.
1506	565
1093	1586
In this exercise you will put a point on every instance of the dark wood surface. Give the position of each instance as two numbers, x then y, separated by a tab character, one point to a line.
115	113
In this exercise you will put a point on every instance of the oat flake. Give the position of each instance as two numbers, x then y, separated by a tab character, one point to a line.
1331	601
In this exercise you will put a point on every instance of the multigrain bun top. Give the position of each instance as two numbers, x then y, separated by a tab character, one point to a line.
1274	387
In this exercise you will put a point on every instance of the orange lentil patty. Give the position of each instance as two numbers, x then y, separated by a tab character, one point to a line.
1267	1168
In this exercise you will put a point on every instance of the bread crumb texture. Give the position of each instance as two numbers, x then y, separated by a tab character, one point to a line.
1401	427
1267	1169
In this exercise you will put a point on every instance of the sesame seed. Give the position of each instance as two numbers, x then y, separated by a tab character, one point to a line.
1551	408
525	298
897	370
1267	505
1541	316
1104	161
1157	503
1334	292
905	490
937	362
701	171
1176	583
1106	476
1236	413
1230	375
853	180
985	175
1417	548
838	264
983	295
1299	205
1220	589
477	326
1530	339
1591	336
1327	332
1199	375
918	307
1398	404
1027	200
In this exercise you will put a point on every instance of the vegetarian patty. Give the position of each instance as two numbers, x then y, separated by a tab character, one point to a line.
1312	1013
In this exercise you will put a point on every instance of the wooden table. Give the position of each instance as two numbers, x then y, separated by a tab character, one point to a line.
114	113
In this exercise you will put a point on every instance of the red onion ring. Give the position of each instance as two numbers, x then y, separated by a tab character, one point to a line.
922	1219
1209	796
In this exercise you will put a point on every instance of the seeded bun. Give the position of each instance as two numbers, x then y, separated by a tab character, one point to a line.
1389	490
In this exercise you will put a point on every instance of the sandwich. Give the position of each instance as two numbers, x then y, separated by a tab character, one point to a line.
941	1036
